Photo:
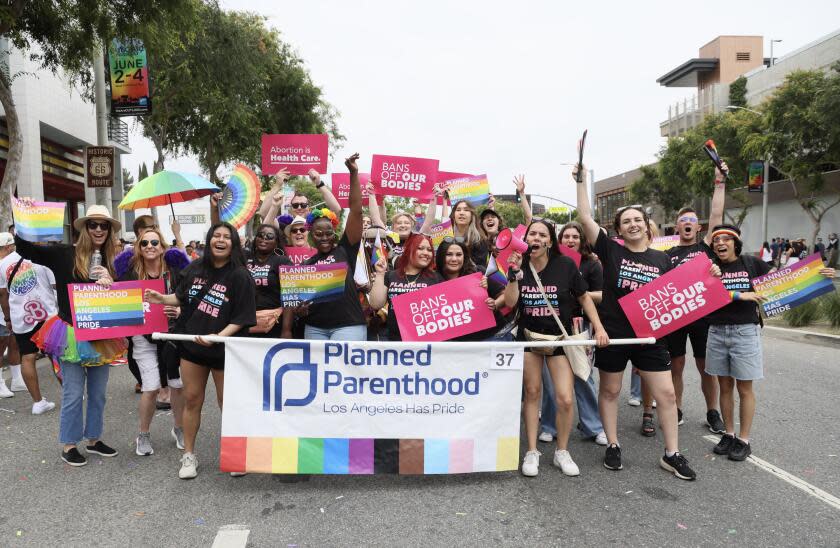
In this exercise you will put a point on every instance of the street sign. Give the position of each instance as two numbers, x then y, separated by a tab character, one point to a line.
187	219
99	167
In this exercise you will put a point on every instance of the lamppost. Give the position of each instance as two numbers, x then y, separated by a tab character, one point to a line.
766	187
772	59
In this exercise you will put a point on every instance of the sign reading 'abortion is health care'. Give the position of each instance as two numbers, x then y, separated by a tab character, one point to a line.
674	300
404	176
321	407
341	188
444	311
120	311
297	153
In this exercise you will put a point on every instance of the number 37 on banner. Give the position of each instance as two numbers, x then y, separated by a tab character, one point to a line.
506	359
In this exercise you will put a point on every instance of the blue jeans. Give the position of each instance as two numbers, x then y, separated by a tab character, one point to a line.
589	419
73	427
635	386
348	333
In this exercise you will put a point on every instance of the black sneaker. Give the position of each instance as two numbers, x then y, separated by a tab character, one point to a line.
714	422
101	449
740	450
680	420
612	458
678	465
724	445
73	457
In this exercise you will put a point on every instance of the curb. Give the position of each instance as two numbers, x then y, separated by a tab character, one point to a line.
822	339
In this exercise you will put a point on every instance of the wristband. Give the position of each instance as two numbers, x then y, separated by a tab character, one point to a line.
320	184
514	275
736	296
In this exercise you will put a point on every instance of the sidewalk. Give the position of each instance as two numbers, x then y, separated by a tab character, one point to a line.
820	333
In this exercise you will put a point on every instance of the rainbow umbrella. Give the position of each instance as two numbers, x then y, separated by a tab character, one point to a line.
240	198
167	187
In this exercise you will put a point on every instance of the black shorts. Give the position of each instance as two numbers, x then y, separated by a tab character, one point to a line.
520	337
203	356
644	357
697	331
25	343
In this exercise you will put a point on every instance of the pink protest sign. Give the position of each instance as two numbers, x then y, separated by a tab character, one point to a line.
570	253
444	311
119	311
297	153
341	188
674	300
404	176
299	254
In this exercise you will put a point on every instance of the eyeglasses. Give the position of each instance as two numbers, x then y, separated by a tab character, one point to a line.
265	235
687	220
93	225
297	230
454	239
299	205
154	243
326	234
722	239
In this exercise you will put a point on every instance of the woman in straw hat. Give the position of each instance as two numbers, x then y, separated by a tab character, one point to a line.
81	363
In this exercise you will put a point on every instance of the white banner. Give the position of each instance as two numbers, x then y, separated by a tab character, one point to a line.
322	407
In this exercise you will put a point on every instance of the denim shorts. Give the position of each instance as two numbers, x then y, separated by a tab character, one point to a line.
4	331
735	351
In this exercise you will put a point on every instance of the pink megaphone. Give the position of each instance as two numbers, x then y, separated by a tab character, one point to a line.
507	238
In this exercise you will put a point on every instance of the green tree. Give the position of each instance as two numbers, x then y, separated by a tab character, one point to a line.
510	213
738	92
127	180
66	33
142	172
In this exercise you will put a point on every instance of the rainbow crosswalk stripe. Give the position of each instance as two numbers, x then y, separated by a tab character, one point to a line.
312	283
42	222
367	456
790	287
102	308
475	190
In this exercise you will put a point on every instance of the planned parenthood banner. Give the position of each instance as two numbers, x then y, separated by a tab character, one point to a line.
323	407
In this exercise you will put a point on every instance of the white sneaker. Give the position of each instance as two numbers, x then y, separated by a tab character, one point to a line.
17	385
634	402
531	464
238	474
545	437
563	461
654	404
178	436
601	438
189	466
4	390
41	407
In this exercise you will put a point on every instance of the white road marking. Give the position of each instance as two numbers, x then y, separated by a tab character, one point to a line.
232	536
797	482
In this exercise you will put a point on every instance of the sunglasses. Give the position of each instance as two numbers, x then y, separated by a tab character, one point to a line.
265	235
327	234
454	239
93	225
297	230
687	220
153	243
299	205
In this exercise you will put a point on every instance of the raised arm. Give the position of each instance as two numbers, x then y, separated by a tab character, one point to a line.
431	213
326	192
378	295
353	229
718	202
274	209
276	188
523	200
590	227
214	208
376	217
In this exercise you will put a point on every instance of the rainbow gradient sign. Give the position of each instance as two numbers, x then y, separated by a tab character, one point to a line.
315	283
119	311
475	190
39	222
129	78
792	286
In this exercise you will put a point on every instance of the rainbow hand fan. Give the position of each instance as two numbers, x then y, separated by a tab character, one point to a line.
240	198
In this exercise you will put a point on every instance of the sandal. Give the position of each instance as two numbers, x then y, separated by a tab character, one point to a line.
648	426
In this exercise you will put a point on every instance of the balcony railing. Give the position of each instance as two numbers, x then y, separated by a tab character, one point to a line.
118	131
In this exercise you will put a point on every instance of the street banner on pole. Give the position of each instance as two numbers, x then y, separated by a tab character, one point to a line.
321	407
755	176
792	286
99	167
129	78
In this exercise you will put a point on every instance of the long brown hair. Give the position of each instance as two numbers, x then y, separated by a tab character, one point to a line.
84	250
472	235
585	247
138	265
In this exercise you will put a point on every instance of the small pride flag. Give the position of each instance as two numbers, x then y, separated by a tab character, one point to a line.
378	251
493	272
40	222
475	190
312	283
792	286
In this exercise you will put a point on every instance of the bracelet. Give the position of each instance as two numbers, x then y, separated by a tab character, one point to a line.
514	275
320	184
735	295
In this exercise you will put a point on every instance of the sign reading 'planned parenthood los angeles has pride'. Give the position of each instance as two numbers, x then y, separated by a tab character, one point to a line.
321	407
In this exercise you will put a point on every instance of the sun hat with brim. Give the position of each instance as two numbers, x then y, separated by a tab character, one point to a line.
296	221
97	213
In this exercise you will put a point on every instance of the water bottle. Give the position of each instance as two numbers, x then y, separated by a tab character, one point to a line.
95	260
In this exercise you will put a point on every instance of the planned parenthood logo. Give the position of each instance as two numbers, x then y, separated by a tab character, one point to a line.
288	351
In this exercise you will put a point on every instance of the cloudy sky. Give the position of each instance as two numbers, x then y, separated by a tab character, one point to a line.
505	88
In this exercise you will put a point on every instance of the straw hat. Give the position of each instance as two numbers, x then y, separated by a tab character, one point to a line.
96	213
296	221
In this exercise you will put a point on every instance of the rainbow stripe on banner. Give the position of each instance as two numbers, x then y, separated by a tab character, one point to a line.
441	231
664	243
367	456
106	308
475	190
312	283
792	286
40	222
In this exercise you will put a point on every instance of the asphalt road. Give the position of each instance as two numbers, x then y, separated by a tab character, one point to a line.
139	501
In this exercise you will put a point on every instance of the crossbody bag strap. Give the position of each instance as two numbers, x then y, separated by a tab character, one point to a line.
550	308
14	271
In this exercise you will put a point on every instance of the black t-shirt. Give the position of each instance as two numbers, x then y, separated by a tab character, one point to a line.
398	285
230	300
479	253
266	278
563	284
737	276
347	310
624	272
681	254
593	275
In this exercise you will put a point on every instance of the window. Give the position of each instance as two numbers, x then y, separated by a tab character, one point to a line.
742	56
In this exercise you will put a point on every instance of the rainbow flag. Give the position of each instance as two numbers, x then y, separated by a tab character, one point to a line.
40	222
315	283
378	251
475	190
494	272
664	243
95	308
792	286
